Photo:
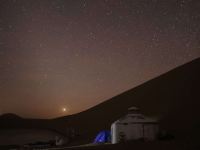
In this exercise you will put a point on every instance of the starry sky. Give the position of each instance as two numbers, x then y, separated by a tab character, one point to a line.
60	57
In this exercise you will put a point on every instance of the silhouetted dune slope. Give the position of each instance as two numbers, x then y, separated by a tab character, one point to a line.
12	121
172	97
9	116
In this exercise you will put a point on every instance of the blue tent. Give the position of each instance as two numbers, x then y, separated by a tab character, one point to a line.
103	137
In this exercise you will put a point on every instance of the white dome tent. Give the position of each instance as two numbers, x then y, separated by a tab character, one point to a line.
134	126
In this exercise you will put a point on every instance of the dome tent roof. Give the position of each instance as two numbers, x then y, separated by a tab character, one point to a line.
134	116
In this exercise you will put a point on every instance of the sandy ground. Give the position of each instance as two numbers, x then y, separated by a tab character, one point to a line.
24	136
137	145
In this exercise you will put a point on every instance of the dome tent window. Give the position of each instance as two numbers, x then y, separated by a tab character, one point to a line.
122	137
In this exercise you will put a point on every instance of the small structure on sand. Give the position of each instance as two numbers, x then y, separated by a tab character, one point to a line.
102	137
134	126
61	140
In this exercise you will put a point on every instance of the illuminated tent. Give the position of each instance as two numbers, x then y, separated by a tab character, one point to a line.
103	137
134	126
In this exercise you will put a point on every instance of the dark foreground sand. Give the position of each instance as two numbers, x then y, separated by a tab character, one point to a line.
139	145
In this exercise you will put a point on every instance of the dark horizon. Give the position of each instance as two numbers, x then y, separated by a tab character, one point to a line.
62	57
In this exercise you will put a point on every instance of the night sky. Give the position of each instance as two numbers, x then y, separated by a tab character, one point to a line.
59	57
